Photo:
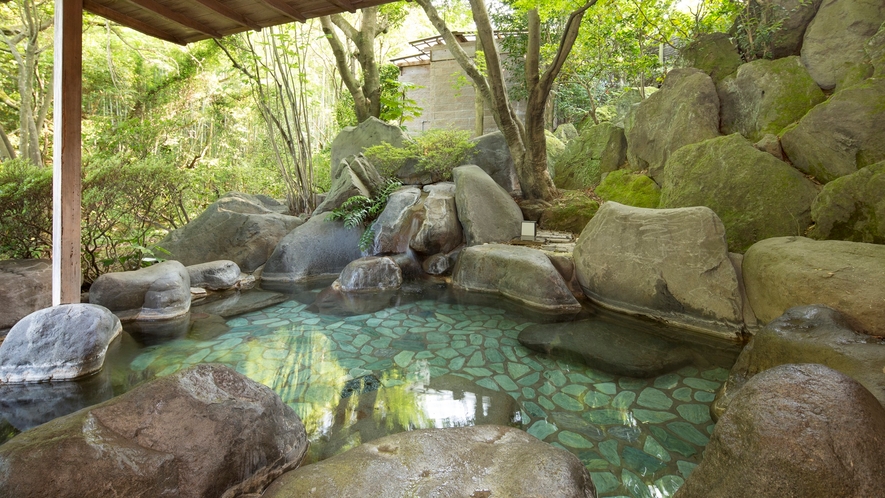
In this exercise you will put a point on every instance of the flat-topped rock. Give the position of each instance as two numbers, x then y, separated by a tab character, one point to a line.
486	460
214	275
58	343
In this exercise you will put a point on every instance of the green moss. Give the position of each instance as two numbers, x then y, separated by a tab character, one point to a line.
629	188
570	213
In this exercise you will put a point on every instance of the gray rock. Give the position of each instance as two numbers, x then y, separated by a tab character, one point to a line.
58	343
485	460
713	54
158	292
194	433
836	37
772	145
875	50
685	111
214	275
625	105
440	231
237	302
487	212
317	249
795	430
353	140
493	156
238	227
357	176
566	132
609	347
669	264
755	195
784	23
599	149
784	272
841	135
25	287
520	273
370	274
808	334
438	264
852	207
394	226
765	96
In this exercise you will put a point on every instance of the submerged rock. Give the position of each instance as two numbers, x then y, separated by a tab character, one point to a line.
784	272
239	302
487	212
668	264
795	430
484	460
158	292
25	287
808	334
63	342
520	273
192	434
609	347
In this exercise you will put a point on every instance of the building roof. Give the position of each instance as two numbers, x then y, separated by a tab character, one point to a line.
186	21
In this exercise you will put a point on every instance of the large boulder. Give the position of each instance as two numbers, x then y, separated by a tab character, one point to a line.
755	195
685	111
357	176
784	272
764	96
192	434
835	39
317	249
669	264
370	274
841	135
487	212
214	275
795	430
570	212
58	343
783	23
714	54
353	140
25	287
158	292
492	154
483	460
629	188
852	207
440	231
393	228
808	334
599	149
520	273
875	50
238	227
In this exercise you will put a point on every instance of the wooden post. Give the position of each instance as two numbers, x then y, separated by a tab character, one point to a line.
66	159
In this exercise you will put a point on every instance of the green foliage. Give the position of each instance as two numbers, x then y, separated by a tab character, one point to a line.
436	152
26	210
396	107
755	27
361	211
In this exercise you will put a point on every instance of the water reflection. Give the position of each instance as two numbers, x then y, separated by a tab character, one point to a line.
29	405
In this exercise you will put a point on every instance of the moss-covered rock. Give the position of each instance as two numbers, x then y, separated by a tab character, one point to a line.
764	96
713	54
599	149
782	23
754	194
875	50
840	135
566	132
685	111
569	213
629	188
852	207
555	148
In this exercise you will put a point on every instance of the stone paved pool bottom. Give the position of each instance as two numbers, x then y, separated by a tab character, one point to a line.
637	437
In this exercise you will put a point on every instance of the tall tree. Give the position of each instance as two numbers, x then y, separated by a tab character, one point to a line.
525	139
25	36
366	87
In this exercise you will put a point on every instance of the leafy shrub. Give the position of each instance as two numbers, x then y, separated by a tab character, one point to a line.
435	152
361	211
25	210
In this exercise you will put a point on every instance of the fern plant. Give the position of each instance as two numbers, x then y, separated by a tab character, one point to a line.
361	211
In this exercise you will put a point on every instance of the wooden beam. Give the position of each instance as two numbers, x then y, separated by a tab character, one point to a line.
343	5
229	13
187	22
283	8
130	22
66	158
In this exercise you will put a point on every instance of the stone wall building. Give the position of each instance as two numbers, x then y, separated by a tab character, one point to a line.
443	91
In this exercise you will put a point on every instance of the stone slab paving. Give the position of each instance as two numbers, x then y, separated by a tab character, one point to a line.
637	437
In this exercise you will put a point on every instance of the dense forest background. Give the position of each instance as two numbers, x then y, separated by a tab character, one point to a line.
168	129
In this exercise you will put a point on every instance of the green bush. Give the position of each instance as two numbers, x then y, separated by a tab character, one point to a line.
436	152
25	210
